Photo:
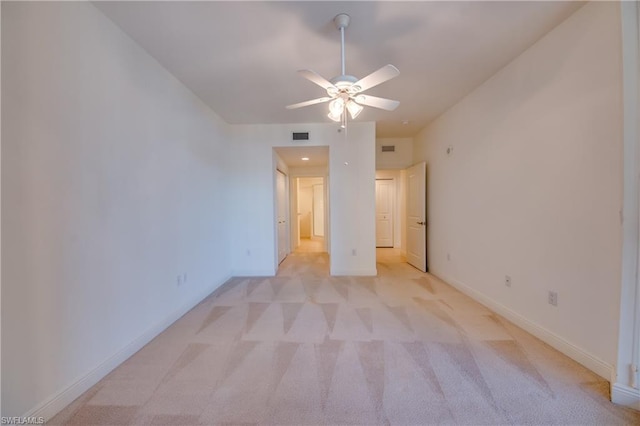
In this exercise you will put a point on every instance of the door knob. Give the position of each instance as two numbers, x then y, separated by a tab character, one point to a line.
421	223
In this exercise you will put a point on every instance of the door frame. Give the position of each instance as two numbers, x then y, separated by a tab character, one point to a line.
287	238
625	386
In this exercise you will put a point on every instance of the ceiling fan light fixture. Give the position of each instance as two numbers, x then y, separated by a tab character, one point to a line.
354	109
335	117
336	106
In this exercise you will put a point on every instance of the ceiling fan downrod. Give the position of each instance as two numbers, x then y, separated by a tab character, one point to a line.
342	21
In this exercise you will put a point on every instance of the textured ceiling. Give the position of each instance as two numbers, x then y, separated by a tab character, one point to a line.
241	58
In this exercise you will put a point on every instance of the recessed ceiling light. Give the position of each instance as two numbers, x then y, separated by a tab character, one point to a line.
305	158
405	122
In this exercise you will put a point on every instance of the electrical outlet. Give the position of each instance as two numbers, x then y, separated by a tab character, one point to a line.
354	252
448	257
507	280
553	298
179	280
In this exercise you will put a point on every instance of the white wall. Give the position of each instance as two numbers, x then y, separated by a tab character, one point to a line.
351	195
318	210
401	158
533	188
113	184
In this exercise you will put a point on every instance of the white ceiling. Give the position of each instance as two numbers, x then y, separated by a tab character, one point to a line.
292	155
241	58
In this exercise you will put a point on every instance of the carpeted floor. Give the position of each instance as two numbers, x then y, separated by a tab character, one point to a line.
306	348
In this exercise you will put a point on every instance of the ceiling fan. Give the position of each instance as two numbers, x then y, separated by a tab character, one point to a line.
345	92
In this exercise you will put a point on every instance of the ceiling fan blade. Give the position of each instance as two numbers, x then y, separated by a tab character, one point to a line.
316	78
377	77
376	102
311	102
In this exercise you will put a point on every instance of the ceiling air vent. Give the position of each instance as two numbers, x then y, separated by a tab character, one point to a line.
300	136
388	148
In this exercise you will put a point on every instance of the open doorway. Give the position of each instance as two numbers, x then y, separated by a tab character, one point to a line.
311	214
401	225
390	206
307	192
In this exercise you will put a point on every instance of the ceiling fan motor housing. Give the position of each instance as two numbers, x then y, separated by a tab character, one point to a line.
344	83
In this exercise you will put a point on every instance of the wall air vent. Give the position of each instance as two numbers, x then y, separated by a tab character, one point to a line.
388	148
300	136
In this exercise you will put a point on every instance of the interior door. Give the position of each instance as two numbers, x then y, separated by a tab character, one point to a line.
281	195
384	212
417	216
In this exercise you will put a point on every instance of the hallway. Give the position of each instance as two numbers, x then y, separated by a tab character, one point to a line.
311	245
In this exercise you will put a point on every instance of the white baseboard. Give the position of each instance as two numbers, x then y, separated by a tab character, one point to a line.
625	395
574	352
54	404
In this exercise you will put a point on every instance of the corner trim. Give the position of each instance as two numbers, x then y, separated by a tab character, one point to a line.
625	396
574	352
58	401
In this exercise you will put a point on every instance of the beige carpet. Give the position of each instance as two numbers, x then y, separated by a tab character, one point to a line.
306	348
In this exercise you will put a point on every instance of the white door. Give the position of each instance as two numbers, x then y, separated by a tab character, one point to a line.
384	212
318	210
281	195
416	216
